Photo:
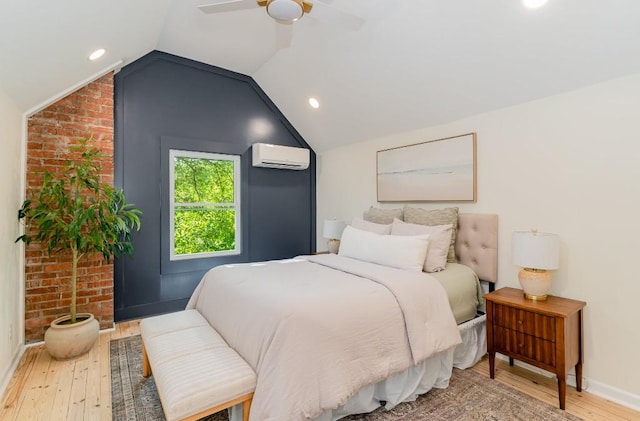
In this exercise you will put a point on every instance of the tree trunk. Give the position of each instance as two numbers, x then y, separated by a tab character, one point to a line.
74	287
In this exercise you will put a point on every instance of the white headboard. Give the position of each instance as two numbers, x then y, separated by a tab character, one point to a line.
477	244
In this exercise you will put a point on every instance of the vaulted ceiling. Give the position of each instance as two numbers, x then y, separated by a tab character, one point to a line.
412	64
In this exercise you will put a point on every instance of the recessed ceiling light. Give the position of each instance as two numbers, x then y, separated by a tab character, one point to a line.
314	102
97	54
534	4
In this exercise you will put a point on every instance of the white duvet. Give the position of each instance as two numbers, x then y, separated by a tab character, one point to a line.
316	329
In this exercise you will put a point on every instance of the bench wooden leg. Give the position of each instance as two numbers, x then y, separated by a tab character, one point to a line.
246	407
146	366
245	400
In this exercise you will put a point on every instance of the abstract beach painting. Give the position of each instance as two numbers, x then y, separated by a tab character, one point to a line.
442	170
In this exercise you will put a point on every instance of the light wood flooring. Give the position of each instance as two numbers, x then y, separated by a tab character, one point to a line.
46	389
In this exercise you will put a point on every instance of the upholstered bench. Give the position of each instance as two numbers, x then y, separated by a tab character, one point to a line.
196	372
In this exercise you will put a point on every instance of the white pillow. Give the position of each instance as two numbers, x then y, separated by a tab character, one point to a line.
395	251
361	224
439	241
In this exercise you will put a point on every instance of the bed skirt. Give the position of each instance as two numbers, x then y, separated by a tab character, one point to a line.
407	385
474	342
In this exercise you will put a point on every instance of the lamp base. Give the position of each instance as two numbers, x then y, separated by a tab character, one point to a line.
536	297
536	283
333	246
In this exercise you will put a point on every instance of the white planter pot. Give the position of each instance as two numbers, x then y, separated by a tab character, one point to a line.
63	340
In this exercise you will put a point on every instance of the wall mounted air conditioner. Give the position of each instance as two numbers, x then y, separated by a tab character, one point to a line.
283	157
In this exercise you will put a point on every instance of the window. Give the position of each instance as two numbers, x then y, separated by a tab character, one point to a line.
204	193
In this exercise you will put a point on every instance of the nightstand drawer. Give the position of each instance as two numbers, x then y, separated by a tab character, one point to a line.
529	346
524	321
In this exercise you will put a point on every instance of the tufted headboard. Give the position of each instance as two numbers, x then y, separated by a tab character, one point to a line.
477	244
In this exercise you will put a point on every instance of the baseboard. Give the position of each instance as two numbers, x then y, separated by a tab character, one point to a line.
109	329
615	395
8	374
594	387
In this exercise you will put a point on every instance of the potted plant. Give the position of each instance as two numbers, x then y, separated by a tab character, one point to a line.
76	212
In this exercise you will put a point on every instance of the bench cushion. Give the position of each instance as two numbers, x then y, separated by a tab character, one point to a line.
172	345
159	325
194	382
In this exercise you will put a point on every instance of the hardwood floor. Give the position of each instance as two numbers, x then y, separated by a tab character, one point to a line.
45	389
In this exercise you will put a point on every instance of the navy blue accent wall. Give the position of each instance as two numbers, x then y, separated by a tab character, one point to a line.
165	102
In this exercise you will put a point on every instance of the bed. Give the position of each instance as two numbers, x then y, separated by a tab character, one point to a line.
330	336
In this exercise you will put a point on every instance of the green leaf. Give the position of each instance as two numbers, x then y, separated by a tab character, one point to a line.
75	210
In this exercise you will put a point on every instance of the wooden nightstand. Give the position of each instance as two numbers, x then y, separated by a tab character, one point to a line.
546	334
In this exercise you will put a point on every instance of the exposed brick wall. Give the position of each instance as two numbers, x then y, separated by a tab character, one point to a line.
88	112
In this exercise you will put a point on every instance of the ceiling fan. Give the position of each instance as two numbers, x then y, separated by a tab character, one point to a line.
288	11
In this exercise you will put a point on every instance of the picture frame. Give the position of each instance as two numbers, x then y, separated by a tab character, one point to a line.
441	170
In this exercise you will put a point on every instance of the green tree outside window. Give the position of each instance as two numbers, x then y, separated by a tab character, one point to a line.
204	203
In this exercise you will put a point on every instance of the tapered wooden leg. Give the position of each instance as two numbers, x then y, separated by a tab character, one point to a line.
146	367
562	390
246	408
580	355
492	364
490	343
579	377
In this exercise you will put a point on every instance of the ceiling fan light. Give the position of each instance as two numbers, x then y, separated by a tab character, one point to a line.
534	4
285	11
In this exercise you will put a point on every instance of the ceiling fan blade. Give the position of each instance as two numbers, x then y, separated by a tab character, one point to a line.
284	34
228	6
331	15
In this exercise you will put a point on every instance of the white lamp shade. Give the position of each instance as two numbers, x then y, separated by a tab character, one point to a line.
333	229
535	250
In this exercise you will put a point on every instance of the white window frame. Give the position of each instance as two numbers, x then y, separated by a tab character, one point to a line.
176	153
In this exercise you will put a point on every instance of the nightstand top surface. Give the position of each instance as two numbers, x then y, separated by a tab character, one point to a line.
555	306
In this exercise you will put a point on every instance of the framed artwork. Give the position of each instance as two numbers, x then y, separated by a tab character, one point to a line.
442	170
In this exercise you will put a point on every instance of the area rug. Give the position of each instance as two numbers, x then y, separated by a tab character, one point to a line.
469	397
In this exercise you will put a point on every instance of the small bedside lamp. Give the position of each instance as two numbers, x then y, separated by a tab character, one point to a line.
332	232
536	252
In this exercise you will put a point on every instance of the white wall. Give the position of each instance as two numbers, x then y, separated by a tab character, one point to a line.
567	164
11	295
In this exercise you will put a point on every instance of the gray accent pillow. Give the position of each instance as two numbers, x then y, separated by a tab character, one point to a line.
382	216
444	216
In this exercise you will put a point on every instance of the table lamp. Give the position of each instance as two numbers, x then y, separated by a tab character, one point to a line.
332	232
537	253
